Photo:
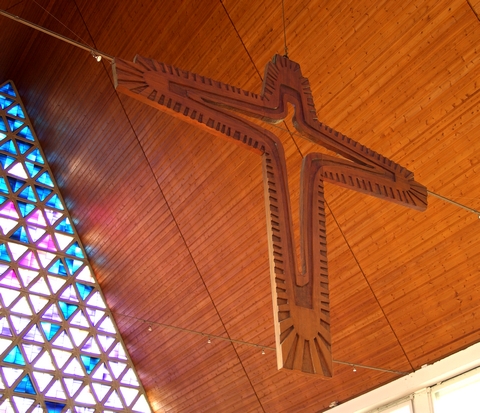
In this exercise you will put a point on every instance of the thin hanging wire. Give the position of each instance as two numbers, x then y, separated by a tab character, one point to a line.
284	30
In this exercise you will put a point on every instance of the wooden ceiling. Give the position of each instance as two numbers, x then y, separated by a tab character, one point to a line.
173	219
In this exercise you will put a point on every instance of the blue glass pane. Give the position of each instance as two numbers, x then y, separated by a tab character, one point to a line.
4	102
65	226
9	147
89	362
8	89
35	156
75	250
32	169
15	357
45	179
20	235
15	184
67	309
25	386
2	199
6	160
84	290
25	208
14	124
49	329
2	125
58	268
3	186
42	192
54	407
23	146
28	194
16	111
3	253
55	202
73	265
26	133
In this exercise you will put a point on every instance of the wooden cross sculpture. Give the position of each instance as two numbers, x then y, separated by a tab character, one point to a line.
300	299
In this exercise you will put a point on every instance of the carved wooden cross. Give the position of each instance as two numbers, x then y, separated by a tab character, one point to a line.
300	298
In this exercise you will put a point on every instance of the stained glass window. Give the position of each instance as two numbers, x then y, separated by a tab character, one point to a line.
60	350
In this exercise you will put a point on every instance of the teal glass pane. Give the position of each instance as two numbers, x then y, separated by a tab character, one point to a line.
75	250
32	169
9	147
8	90
65	226
14	124
45	179
2	199
15	184
23	146
25	386
3	253
26	133
25	208
2	125
20	235
15	357
42	192
58	268
4	102
28	194
49	329
89	362
53	407
6	160
3	186
67	309
84	290
73	265
35	156
16	111
55	202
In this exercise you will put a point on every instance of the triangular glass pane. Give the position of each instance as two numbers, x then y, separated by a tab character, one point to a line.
15	356
141	405
2	199
72	385
3	253
91	346
78	335
25	386
40	287
67	309
55	283
52	216
3	186
58	268
85	396
74	368
9	147
54	202
35	232
56	391
16	111
22	403
32	170
14	124
49	329
65	226
4	330
52	314
11	375
24	147
47	243
42	379
94	315
118	352
96	300
129	378
28	194
75	250
105	341
106	325
35	156
53	407
31	351
6	161
45	362
34	335
45	258
63	240
85	275
9	210
128	394
38	303
100	390
25	208
18	170
84	290
29	261
63	341
8	296
27	276
117	368
7	225
4	102
45	179
8	90
22	307
6	407
19	323
26	133
114	401
10	279
73	265
61	357
89	362
20	235
79	320
101	373
69	294
37	218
